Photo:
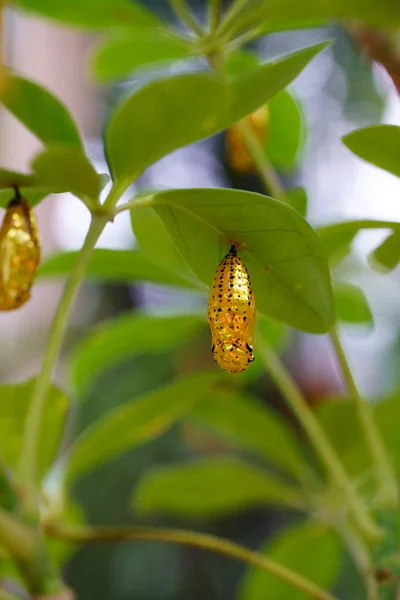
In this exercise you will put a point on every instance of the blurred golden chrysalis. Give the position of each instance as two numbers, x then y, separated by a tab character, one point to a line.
19	253
238	156
231	314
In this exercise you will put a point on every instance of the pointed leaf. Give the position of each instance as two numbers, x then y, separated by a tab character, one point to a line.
112	265
210	487
252	427
351	304
378	144
93	13
63	169
125	336
41	112
14	404
168	114
285	131
298	200
136	422
309	549
286	262
121	55
386	257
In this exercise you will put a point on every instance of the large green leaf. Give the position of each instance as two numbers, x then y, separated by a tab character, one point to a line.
14	404
157	245
136	422
378	144
210	487
93	13
252	427
125	336
41	112
298	199
34	195
285	130
122	54
112	265
282	14
387	255
11	179
286	262
66	169
351	304
309	549
168	114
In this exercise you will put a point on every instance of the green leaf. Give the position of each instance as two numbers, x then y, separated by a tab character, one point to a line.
14	404
339	420
121	55
112	265
309	549
34	195
41	112
298	199
387	417
170	113
285	131
253	427
137	422
386	257
157	244
286	262
337	238
93	14
11	179
274	334
351	304
66	169
210	487
128	335
378	144
255	88
282	14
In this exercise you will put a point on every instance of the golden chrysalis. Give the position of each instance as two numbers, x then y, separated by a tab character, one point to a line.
19	253
231	314
238	156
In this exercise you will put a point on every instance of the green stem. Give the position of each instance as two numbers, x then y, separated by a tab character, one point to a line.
264	167
361	556
193	539
28	465
214	14
231	16
385	476
316	435
16	538
182	10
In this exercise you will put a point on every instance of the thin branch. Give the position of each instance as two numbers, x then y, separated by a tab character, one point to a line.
384	473
193	539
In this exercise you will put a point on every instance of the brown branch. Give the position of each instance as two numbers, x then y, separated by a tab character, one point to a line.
379	47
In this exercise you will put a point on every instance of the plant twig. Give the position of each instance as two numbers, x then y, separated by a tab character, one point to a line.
317	437
214	14
231	16
359	551
193	539
384	473
183	12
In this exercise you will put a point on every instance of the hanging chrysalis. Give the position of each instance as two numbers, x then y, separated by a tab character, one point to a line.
238	156
19	253
231	314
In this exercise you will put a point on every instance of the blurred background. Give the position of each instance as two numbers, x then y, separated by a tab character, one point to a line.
338	92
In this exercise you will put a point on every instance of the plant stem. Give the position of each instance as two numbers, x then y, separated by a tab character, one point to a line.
385	476
231	16
214	14
361	556
193	539
28	465
316	435
182	10
264	167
